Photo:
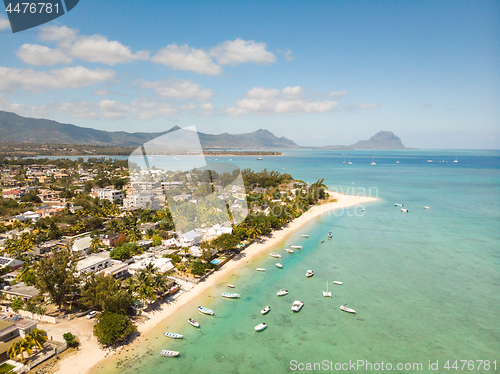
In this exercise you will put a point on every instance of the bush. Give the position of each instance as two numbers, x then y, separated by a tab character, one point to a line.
16	305
120	253
70	338
112	328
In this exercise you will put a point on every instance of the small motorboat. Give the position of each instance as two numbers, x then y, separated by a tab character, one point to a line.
266	310
167	353
346	309
275	255
327	293
322	240
304	236
330	235
427	207
228	295
260	159
297	306
260	327
173	335
260	269
337	282
309	273
231	285
278	265
282	292
404	210
296	246
289	250
193	322
205	310
397	204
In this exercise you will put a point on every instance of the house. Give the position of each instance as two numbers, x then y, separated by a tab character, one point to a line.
12	262
109	239
110	194
171	242
147	226
164	265
20	290
143	200
190	238
75	208
94	263
117	269
48	196
13	330
82	245
215	231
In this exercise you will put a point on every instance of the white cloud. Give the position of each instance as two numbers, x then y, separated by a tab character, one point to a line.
97	48
40	55
12	79
267	101
114	109
81	109
207	109
338	94
61	35
186	58
235	52
4	23
362	106
149	109
287	54
178	89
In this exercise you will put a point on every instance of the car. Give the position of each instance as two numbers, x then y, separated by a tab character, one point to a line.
92	314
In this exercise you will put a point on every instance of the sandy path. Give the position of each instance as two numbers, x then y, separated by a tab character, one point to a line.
90	352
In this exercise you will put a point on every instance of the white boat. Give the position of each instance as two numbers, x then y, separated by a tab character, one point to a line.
309	273
275	255
373	161
349	163
330	235
337	282
173	335
260	269
289	250
206	310
231	285
193	322
456	160
397	162
346	309
228	295
344	161
278	265
398	204
282	292
230	159
429	160
327	293
260	159
296	246
304	236
427	207
266	310
167	353
260	327
297	305
404	210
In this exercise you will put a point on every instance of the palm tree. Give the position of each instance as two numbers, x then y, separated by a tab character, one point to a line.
18	349
95	244
37	338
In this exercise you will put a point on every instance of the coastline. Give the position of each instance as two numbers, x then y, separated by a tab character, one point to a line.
90	354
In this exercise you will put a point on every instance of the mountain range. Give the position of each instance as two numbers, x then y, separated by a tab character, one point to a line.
18	129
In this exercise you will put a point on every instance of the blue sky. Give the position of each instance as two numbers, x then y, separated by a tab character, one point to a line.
317	72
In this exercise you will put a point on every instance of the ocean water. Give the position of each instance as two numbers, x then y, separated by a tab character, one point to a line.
425	284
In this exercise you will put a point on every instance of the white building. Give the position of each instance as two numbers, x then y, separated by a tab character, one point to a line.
94	263
164	265
82	245
144	200
110	194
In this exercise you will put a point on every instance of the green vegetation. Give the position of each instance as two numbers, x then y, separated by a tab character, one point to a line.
103	292
112	328
34	339
69	338
5	368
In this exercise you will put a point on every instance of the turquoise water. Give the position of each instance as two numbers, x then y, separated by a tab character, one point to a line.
425	285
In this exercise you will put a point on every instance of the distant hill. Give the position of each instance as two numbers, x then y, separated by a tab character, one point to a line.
15	128
381	140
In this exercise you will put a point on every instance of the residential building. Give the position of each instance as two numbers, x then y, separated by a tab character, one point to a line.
94	263
109	239
110	194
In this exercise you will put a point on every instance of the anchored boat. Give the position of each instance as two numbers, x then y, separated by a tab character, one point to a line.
173	335
228	295
167	353
346	309
206	310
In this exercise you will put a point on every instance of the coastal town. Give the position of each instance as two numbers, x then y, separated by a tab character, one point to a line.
83	240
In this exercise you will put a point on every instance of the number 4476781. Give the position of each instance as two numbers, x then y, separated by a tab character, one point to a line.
33	8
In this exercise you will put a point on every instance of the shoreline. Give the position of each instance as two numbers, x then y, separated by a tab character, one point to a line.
90	354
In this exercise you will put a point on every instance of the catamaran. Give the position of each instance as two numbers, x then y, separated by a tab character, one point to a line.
228	295
173	335
206	310
327	293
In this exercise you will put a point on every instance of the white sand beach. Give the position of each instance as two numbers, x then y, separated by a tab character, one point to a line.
90	352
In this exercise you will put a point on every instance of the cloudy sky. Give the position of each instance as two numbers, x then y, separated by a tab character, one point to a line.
317	72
